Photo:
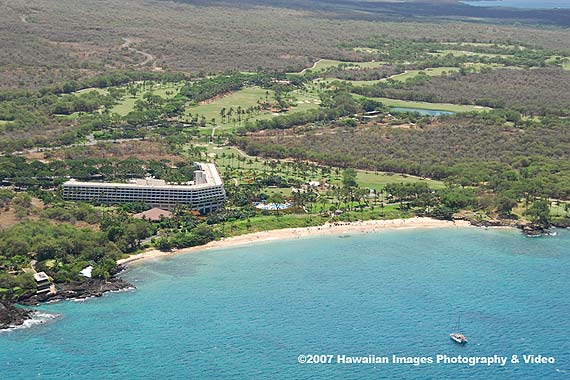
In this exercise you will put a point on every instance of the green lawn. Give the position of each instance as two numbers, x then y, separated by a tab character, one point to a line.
71	116
364	82
89	89
435	71
271	222
378	180
556	210
559	210
221	155
462	53
438	71
430	106
246	98
367	50
353	82
479	66
127	104
305	101
482	44
326	63
274	221
565	63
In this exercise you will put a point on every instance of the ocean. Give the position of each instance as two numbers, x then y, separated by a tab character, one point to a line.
254	312
526	4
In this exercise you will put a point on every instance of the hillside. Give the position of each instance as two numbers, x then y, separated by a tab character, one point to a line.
49	42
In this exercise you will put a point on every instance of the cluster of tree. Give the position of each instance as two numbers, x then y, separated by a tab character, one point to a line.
440	204
60	250
125	232
151	109
406	191
360	74
12	287
228	215
72	213
21	203
6	198
88	102
200	235
18	171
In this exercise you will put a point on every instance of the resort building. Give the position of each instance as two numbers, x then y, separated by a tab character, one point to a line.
205	194
43	282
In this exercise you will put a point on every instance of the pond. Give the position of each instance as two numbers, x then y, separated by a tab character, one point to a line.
422	111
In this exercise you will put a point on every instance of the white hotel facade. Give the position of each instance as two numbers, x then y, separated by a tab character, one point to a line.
206	194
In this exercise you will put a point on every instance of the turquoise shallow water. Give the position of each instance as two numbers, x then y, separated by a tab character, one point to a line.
249	312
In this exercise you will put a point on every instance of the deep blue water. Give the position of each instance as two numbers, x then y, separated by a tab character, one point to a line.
422	111
249	312
526	4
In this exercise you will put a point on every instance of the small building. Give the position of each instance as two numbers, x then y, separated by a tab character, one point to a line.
371	114
43	282
87	271
154	214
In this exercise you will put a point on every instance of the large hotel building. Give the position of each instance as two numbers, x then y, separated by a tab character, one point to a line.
206	194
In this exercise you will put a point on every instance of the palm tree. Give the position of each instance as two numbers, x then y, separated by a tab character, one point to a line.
230	113
239	113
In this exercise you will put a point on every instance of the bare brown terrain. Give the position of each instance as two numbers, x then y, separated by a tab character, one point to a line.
48	42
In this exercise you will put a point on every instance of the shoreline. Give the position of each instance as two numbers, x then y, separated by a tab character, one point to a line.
368	226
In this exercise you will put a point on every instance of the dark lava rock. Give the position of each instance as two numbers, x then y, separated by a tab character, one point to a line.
84	289
11	316
488	223
529	229
561	223
533	230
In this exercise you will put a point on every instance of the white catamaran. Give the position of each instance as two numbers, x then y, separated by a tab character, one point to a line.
456	336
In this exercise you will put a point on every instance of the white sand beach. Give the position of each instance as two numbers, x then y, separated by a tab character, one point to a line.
368	226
